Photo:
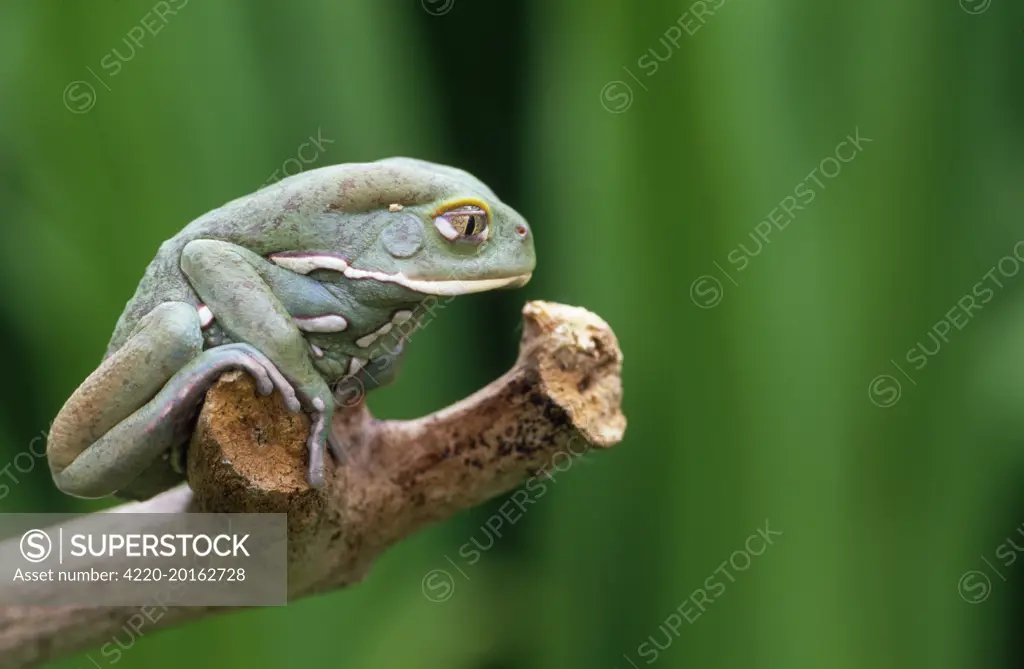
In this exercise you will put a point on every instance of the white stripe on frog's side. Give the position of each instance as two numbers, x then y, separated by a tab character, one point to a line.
369	339
327	323
356	364
205	316
304	263
399	317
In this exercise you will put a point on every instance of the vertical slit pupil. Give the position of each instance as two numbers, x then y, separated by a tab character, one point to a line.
470	225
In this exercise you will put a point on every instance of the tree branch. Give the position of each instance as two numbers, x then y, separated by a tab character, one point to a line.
248	454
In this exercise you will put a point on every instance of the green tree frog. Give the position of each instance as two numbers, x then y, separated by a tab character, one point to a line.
305	285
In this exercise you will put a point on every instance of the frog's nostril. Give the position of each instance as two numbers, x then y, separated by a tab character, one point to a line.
521	230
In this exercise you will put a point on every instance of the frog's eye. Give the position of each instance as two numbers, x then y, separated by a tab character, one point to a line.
468	223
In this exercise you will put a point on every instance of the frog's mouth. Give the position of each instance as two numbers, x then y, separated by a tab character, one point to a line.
304	263
444	286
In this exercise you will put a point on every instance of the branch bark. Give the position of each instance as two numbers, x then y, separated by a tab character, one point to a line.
248	453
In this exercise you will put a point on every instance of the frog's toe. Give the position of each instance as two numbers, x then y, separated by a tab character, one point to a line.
187	388
269	378
318	438
252	365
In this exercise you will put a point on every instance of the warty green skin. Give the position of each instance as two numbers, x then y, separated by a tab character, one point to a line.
124	429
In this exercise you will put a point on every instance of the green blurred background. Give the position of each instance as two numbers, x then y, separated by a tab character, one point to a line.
645	142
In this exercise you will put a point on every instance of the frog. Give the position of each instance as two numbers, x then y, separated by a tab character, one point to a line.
312	286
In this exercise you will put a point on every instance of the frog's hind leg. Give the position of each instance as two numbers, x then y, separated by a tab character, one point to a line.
164	341
140	402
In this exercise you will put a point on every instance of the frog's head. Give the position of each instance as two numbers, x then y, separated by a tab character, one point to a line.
438	230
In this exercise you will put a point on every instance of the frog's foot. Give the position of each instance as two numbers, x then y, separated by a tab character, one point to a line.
268	378
114	460
317	403
187	388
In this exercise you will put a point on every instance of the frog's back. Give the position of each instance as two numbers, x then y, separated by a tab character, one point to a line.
240	221
278	217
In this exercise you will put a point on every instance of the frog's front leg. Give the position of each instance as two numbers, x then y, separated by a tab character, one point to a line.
230	280
139	403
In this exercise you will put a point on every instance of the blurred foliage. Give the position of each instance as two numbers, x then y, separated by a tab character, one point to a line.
759	408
